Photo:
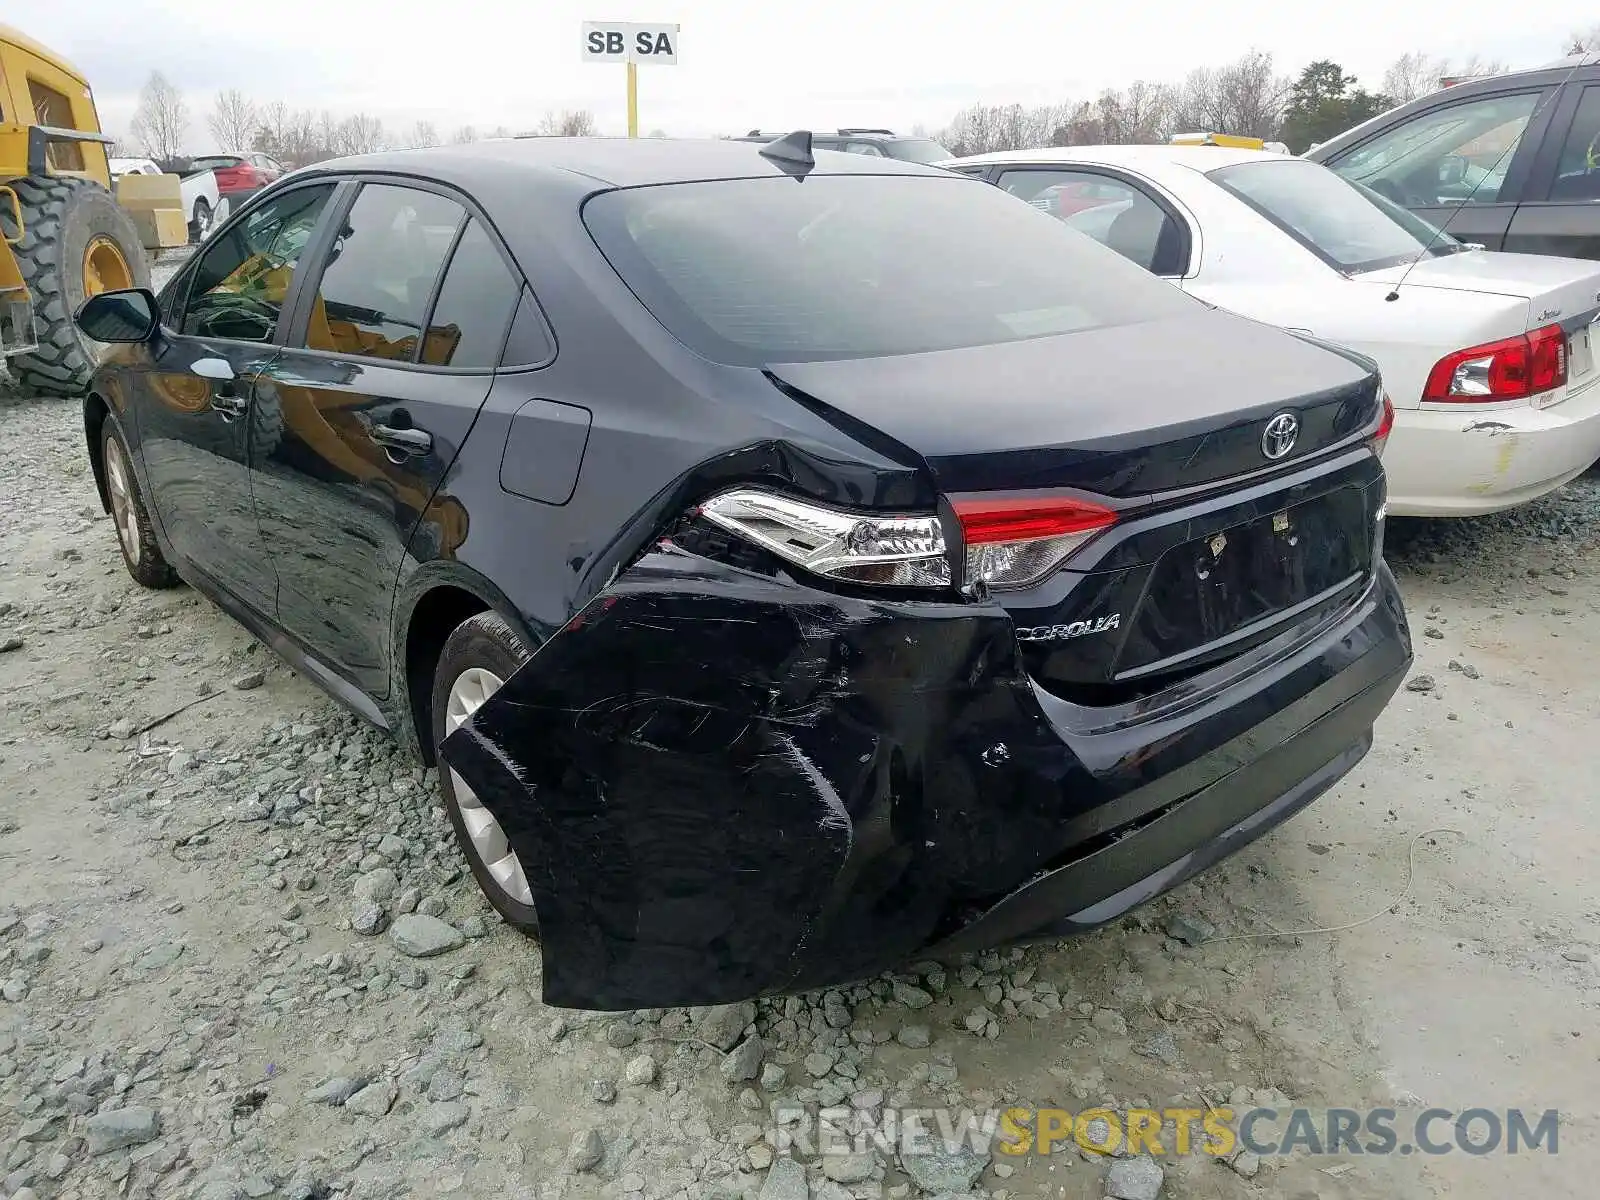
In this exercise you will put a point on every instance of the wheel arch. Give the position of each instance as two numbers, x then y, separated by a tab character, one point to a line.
95	414
428	607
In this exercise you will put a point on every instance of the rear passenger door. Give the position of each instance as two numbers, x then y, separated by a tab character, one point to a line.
394	341
1561	211
1112	209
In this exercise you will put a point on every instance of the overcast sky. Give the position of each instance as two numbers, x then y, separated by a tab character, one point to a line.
742	63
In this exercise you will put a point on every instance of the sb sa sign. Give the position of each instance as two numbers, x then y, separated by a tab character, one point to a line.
629	41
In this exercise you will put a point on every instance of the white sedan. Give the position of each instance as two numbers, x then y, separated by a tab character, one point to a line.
1489	358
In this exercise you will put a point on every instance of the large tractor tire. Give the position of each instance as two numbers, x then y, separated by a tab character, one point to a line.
76	242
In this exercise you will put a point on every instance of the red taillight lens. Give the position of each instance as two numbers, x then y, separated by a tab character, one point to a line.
1380	436
1511	369
1012	543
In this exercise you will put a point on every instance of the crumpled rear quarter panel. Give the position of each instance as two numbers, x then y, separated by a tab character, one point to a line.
721	784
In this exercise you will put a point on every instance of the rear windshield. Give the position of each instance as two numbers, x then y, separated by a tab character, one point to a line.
752	271
918	150
216	162
1348	226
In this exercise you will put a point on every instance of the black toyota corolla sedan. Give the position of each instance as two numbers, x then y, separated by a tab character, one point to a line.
799	562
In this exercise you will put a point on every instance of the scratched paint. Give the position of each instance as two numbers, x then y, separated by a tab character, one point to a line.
723	784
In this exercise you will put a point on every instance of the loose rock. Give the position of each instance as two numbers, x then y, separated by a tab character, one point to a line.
418	936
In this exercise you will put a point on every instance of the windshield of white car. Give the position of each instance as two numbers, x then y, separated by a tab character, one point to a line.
1348	226
920	150
755	271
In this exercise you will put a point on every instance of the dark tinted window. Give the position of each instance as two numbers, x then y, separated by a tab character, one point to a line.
468	326
848	266
380	273
529	344
242	277
1578	174
1347	226
216	162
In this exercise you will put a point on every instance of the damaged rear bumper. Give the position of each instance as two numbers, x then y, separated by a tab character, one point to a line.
722	785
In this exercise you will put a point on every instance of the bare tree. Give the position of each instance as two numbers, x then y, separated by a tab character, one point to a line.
161	121
1411	75
568	123
1472	67
501	131
1246	97
423	135
1584	41
465	135
233	120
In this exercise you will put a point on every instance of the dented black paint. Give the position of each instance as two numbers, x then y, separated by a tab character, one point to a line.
723	783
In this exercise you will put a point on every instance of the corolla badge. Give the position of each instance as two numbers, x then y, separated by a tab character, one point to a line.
1060	633
1277	439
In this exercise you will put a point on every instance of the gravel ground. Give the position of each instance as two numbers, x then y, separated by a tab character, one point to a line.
214	885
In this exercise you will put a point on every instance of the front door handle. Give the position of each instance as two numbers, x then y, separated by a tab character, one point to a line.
407	441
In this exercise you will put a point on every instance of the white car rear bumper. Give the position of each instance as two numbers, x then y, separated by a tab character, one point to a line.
1470	461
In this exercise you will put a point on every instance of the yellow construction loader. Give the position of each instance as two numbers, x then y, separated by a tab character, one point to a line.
65	236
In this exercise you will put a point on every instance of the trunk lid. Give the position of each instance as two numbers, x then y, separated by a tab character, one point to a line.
1122	411
1558	290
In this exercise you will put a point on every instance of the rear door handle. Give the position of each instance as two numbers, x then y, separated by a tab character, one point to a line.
228	403
407	441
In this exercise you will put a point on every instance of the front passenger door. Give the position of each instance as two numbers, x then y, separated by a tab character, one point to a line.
195	423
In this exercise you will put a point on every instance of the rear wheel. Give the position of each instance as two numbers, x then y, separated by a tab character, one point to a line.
477	659
135	535
76	242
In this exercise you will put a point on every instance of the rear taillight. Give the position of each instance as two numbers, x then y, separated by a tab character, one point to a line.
1512	369
1014	543
1380	436
889	551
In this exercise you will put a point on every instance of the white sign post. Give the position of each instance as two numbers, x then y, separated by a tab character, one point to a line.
632	43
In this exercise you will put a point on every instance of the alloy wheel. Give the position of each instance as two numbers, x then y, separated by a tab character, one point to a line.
121	489
488	841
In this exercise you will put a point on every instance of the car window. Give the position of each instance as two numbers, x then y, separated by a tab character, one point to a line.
1349	227
919	150
756	271
1456	154
476	300
862	148
380	271
215	162
529	343
1578	171
1114	213
242	277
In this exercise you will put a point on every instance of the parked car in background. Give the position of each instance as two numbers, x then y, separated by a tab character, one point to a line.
702	522
1511	162
243	174
1488	357
884	143
203	204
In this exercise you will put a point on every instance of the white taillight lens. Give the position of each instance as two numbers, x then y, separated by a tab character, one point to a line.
1014	543
889	551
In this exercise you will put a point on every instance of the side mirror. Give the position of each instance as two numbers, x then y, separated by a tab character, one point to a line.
122	316
1452	170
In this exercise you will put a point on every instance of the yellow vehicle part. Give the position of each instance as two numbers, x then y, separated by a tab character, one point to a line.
1231	140
48	123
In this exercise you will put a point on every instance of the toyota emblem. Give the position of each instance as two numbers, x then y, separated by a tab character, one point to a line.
1277	439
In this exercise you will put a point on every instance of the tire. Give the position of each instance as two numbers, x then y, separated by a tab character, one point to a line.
266	422
201	225
480	643
60	219
136	537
